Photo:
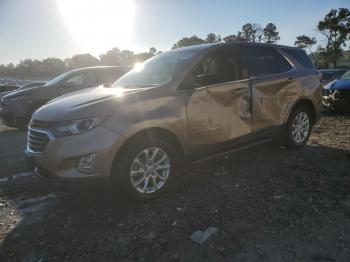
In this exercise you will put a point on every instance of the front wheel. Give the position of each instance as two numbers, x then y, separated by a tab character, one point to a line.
298	128
146	168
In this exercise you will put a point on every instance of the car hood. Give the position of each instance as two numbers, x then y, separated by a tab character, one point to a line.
86	103
24	91
339	84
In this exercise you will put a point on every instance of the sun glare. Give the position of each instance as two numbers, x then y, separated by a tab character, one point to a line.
98	25
138	66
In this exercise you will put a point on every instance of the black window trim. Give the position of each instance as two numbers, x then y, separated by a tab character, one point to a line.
278	50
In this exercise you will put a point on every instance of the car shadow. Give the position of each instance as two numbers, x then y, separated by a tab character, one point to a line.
252	186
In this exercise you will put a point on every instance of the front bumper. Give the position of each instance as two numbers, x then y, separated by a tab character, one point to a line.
60	156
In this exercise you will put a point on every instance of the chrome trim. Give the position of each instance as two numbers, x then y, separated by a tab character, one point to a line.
44	131
47	133
213	85
273	75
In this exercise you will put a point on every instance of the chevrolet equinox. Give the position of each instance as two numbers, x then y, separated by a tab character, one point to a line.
188	104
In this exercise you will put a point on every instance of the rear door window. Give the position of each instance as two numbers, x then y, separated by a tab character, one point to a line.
300	56
261	61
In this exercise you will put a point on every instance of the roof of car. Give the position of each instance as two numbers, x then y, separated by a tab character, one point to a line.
246	43
95	68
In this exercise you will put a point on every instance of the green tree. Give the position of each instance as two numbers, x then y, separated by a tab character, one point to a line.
127	58
335	27
232	38
7	70
188	41
29	67
213	38
111	57
271	35
53	66
82	60
152	51
304	41
257	33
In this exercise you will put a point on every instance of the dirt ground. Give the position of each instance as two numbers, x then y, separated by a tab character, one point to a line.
268	203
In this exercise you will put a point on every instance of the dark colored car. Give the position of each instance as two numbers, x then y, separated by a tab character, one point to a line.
329	75
337	94
21	87
16	108
8	88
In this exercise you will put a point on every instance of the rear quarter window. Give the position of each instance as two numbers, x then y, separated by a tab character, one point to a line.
300	56
283	65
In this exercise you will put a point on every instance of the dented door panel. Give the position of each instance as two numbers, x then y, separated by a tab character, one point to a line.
274	97
218	114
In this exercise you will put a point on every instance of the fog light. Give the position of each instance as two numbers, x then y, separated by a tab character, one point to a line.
85	163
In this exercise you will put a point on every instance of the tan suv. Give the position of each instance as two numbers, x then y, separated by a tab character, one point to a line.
188	104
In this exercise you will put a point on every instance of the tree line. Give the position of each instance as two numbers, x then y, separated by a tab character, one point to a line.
334	29
53	66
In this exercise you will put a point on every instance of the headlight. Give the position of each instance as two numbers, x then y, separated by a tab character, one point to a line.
10	100
77	126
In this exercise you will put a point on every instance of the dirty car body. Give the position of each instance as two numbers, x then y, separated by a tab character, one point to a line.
17	107
188	104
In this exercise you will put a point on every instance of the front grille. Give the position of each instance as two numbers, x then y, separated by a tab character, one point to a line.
39	124
37	140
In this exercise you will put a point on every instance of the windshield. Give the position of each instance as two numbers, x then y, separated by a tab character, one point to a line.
156	71
346	75
58	79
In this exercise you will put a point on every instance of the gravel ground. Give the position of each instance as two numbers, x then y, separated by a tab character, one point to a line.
268	204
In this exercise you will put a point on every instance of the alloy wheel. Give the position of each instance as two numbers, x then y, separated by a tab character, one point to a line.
150	170
300	127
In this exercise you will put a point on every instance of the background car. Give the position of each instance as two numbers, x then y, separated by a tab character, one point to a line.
17	107
337	94
19	87
329	75
8	88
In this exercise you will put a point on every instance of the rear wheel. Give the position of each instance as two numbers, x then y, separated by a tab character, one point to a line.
298	129
146	168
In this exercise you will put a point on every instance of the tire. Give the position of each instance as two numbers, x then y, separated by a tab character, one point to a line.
298	128
127	172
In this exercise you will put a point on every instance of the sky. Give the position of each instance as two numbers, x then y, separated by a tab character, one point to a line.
39	29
